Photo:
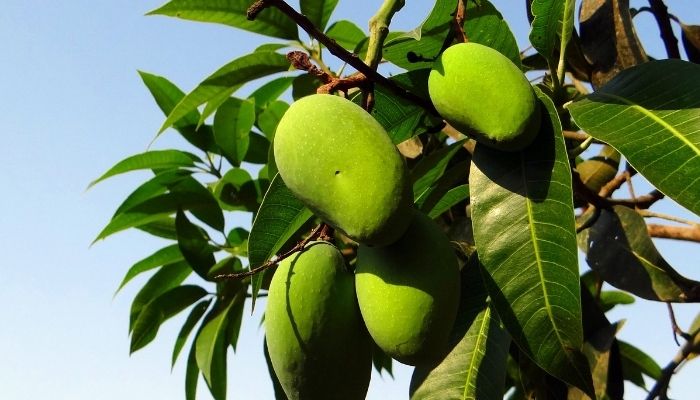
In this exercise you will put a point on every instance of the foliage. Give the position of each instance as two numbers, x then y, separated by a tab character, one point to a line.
528	324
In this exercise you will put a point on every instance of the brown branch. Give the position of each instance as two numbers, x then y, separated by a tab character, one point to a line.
318	232
660	388
642	202
690	234
459	22
577	136
660	11
616	182
339	51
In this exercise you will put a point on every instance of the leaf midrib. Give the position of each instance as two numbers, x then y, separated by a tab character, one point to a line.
484	323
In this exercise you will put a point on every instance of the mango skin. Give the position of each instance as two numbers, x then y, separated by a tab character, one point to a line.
482	93
409	293
317	341
338	160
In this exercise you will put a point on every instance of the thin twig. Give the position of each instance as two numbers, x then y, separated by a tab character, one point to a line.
615	183
660	388
690	234
339	51
460	15
315	234
674	325
653	214
577	136
660	12
641	202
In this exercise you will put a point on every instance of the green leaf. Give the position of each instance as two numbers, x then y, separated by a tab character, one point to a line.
270	22
199	201
633	356
192	319
194	245
236	191
191	374
163	227
305	85
475	367
346	34
232	124
651	114
523	220
431	168
167	95
280	216
258	149
453	197
216	101
155	159
268	119
270	91
166	255
159	310
547	26
421	47
166	278
619	249
157	185
381	361
239	71
318	11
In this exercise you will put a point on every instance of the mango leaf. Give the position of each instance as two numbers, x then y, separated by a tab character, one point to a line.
214	103
280	216
619	249
270	91
192	319
305	85
258	149
232	124
279	392
157	185
453	197
475	366
635	359
523	222
166	278
191	374
236	191
167	95
270	117
346	34
318	11
194	245
421	47
270	22
651	114
236	72
431	168
159	310
163	227
547	25
381	361
166	255
155	159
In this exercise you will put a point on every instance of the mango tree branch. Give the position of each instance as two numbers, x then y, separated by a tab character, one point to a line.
660	11
379	29
339	51
688	233
660	389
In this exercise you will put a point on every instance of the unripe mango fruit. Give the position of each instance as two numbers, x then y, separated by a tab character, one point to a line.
318	344
409	292
338	160
482	93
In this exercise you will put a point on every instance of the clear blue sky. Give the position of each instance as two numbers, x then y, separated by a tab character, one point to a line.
73	105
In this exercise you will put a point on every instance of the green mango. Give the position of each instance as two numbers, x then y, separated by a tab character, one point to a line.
318	344
338	160
482	93
409	292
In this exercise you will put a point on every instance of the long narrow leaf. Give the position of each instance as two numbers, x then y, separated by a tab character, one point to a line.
155	159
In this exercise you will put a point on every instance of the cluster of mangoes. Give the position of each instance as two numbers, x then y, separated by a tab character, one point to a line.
403	294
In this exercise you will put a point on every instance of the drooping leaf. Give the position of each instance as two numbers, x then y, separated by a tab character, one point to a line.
280	216
154	159
232	124
270	91
192	319
651	114
167	95
268	119
619	249
166	255
167	277
236	72
431	168
453	197
346	34
159	310
381	361
475	366
194	245
523	222
270	22
318	11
